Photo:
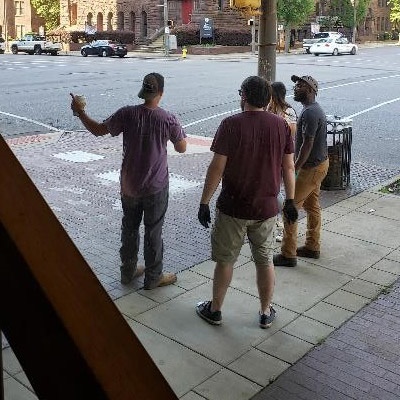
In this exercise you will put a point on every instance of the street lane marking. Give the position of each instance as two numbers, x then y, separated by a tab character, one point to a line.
373	107
199	121
321	89
31	120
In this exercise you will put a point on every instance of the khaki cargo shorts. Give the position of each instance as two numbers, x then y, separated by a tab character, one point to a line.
228	234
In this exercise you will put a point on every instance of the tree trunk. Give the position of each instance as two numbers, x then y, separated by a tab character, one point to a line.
287	38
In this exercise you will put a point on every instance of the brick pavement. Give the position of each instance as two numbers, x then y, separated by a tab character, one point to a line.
361	360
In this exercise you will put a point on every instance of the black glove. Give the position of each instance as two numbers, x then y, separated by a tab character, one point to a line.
289	211
204	215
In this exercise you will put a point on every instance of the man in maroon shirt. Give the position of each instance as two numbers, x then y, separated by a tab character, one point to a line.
253	150
146	129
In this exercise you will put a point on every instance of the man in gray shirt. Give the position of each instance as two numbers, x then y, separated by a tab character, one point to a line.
311	165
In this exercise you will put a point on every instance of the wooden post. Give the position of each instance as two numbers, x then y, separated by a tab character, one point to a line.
1	372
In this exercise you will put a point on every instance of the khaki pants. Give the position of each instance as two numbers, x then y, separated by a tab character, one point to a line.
308	184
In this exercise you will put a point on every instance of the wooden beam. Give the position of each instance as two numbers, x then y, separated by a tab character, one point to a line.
84	328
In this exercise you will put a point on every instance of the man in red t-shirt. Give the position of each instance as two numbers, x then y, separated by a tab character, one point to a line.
146	130
253	150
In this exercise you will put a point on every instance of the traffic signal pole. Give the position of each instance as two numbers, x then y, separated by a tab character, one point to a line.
267	40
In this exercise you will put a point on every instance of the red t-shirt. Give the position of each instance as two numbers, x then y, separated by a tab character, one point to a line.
254	142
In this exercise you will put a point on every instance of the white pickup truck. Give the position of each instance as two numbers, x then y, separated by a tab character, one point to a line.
35	44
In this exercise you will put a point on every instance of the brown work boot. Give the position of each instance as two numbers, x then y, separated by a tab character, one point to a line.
282	261
128	275
304	252
166	279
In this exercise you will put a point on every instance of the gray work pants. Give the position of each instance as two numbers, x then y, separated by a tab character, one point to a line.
152	209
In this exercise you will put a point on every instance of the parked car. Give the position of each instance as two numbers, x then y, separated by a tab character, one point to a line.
307	43
2	45
333	46
35	44
104	48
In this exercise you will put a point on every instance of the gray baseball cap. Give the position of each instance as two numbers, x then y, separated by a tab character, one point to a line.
307	79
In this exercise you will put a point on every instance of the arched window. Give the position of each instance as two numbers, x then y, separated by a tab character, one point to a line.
132	21
120	21
143	26
110	21
89	19
74	13
100	22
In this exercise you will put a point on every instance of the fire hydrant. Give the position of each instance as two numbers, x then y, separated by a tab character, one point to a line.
184	51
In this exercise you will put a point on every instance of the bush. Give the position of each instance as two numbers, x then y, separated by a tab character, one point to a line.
380	36
233	37
126	37
395	35
189	35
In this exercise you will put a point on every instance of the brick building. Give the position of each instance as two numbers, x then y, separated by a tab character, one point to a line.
146	17
18	18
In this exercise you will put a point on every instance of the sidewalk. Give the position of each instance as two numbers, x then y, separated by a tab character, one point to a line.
78	176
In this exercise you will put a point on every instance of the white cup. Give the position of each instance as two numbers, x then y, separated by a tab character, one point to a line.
81	101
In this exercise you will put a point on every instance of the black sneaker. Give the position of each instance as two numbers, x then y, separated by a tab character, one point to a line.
282	261
266	320
203	310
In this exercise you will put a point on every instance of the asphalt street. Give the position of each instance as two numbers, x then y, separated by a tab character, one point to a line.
202	90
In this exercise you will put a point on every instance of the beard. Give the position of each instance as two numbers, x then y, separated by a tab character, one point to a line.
242	104
299	96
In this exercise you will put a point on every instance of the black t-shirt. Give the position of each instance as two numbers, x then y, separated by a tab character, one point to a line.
312	123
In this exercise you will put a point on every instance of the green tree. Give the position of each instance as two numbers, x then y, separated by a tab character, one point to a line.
49	10
293	13
395	14
341	12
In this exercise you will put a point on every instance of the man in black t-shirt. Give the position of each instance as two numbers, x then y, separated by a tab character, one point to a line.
311	164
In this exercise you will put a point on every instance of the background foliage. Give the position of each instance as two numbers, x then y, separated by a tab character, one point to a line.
49	10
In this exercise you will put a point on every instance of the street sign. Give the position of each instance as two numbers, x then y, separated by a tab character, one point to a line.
206	28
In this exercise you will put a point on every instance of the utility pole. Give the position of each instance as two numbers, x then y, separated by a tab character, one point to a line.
253	34
166	29
354	21
267	40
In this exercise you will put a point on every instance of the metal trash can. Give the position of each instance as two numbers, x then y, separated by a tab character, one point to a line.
339	138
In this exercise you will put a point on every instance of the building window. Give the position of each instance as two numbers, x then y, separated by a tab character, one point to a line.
132	19
19	8
109	22
74	13
120	21
100	22
89	19
143	26
20	30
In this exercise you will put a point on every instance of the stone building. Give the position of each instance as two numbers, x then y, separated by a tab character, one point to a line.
376	21
18	18
143	17
146	17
